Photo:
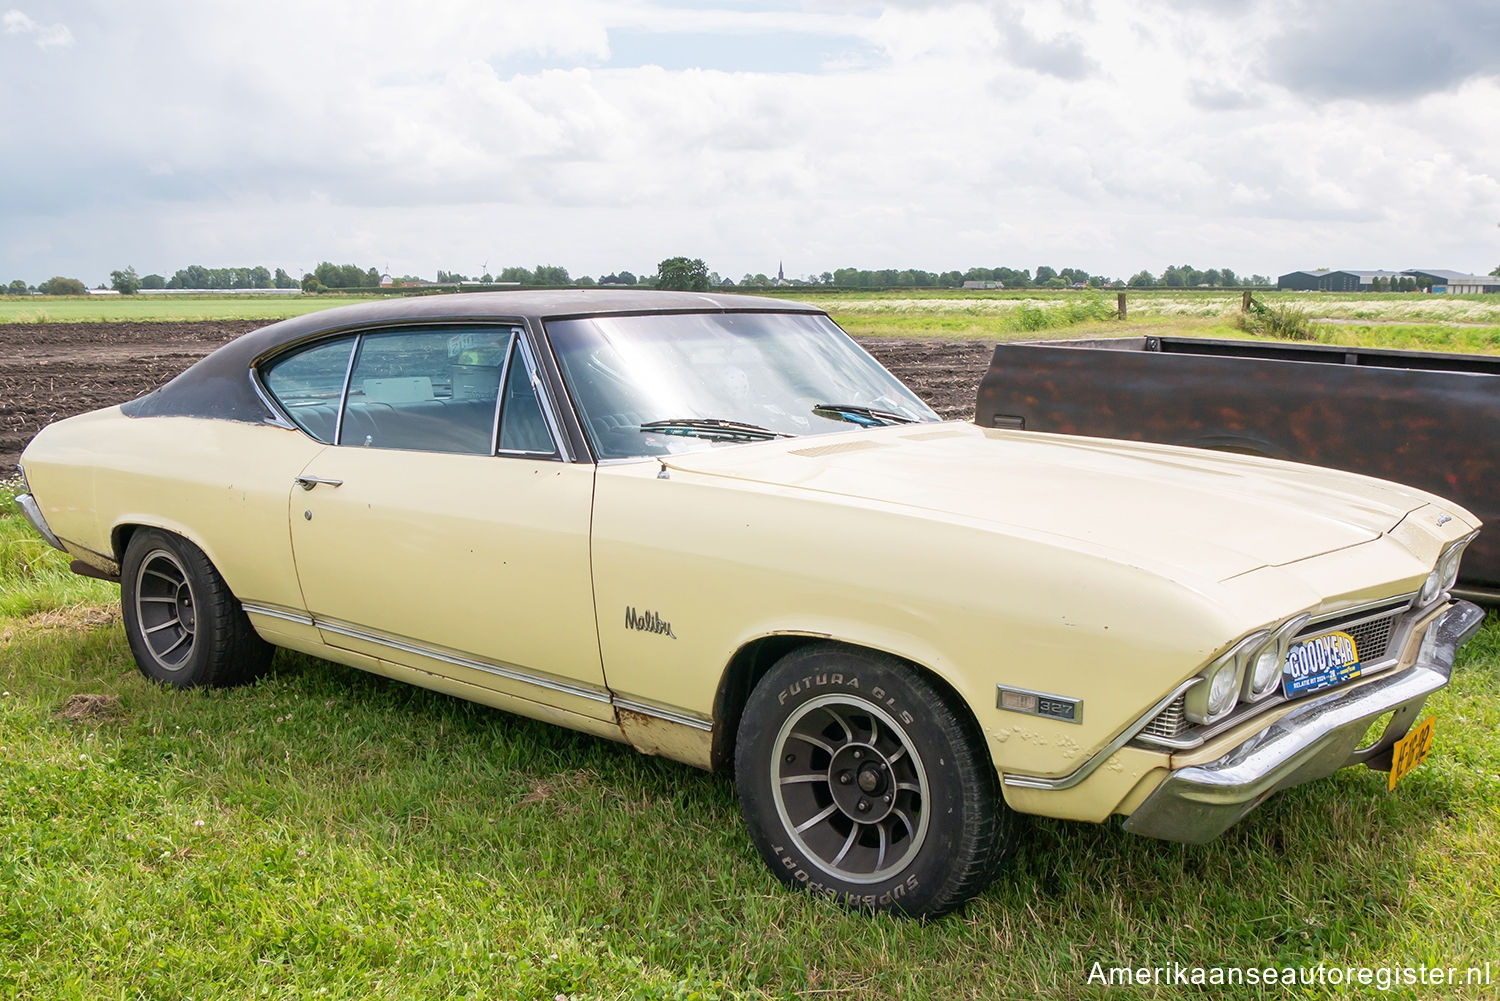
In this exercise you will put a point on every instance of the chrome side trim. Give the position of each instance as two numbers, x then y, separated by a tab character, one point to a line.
498	670
1089	766
277	613
671	716
33	514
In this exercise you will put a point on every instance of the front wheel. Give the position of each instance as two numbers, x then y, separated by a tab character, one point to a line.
184	626
861	781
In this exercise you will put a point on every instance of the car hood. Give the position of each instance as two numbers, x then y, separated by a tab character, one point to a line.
1211	514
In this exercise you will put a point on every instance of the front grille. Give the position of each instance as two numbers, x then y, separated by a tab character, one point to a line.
1375	634
1170	722
1372	637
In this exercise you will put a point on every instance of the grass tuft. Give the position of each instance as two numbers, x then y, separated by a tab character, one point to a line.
1284	322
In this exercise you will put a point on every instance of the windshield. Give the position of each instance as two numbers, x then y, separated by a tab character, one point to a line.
700	379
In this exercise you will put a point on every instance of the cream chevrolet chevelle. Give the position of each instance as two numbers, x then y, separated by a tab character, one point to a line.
715	529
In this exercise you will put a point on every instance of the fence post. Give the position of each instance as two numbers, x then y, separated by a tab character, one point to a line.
1120	300
1245	301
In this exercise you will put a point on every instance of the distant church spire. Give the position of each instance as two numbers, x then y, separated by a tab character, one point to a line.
780	272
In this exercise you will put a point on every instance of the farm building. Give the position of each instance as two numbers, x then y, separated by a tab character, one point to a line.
1350	280
1343	280
1456	282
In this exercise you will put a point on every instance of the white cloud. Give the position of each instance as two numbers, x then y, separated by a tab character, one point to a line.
44	36
1107	136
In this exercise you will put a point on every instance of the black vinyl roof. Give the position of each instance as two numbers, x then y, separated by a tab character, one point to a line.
219	385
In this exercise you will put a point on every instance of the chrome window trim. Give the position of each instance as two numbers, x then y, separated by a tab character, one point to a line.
545	340
510	349
554	427
278	417
338	423
1088	767
517	327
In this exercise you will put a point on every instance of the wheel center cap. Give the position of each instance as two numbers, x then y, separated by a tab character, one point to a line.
860	779
185	607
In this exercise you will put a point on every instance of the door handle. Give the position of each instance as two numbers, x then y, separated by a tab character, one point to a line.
308	482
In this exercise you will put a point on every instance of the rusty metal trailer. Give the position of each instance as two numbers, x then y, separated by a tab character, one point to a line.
1429	419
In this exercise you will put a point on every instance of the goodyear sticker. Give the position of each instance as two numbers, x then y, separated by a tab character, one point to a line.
1321	662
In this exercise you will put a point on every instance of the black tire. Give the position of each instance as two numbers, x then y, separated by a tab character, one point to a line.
899	805
184	626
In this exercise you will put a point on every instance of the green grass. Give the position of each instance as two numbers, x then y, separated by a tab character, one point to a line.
1413	336
327	833
1440	323
119	308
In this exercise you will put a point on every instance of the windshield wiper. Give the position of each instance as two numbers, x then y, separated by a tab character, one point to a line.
864	416
713	428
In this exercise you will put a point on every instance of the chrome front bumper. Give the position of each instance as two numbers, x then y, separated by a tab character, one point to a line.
27	504
1197	803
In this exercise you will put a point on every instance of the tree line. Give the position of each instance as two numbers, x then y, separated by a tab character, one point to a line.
672	273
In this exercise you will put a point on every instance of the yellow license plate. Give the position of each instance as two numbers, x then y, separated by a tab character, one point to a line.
1411	750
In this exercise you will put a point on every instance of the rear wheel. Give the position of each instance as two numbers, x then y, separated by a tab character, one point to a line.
184	626
861	781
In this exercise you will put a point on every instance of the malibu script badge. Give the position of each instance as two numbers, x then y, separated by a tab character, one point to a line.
648	622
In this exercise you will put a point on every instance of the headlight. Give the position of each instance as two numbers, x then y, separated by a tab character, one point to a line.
1449	563
1431	587
1221	689
1219	692
1445	574
1265	669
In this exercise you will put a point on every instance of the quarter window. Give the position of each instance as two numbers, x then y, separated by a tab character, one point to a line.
309	383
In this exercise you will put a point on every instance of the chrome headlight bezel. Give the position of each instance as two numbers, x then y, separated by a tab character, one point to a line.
1271	656
1211	699
1445	571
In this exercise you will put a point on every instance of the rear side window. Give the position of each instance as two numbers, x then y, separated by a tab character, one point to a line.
309	383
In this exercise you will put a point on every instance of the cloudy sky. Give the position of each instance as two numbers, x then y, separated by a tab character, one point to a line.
1112	135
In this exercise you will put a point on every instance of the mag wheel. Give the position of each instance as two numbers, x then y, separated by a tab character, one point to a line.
862	781
184	626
